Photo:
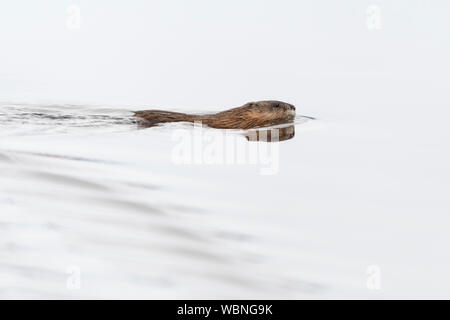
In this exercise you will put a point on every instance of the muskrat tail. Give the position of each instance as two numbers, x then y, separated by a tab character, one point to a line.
159	116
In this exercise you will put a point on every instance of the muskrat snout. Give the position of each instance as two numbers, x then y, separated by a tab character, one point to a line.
288	106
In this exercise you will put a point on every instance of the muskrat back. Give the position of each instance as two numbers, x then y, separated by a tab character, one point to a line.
251	115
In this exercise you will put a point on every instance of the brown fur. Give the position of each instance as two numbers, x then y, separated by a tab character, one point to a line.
251	115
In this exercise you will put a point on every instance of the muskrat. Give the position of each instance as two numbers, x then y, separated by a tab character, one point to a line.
250	115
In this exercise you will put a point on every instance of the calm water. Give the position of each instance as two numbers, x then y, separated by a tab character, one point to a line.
85	192
86	188
352	204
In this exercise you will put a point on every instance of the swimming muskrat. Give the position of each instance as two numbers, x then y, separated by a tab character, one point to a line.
251	115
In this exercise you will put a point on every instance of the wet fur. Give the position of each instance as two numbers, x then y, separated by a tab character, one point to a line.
251	115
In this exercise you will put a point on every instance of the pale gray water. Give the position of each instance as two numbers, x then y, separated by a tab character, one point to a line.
78	189
84	187
357	205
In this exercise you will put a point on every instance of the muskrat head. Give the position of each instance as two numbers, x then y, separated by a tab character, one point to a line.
273	111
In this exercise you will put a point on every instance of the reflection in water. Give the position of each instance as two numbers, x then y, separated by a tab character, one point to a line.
135	224
144	124
262	135
265	134
271	135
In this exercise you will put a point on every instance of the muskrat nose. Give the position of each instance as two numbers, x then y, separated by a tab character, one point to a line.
292	107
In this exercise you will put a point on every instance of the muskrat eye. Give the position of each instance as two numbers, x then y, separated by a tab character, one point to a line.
276	105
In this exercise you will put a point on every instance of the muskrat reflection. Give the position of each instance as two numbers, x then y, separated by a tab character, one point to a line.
271	135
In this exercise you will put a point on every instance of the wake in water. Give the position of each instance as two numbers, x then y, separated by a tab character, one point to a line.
13	115
82	187
32	118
